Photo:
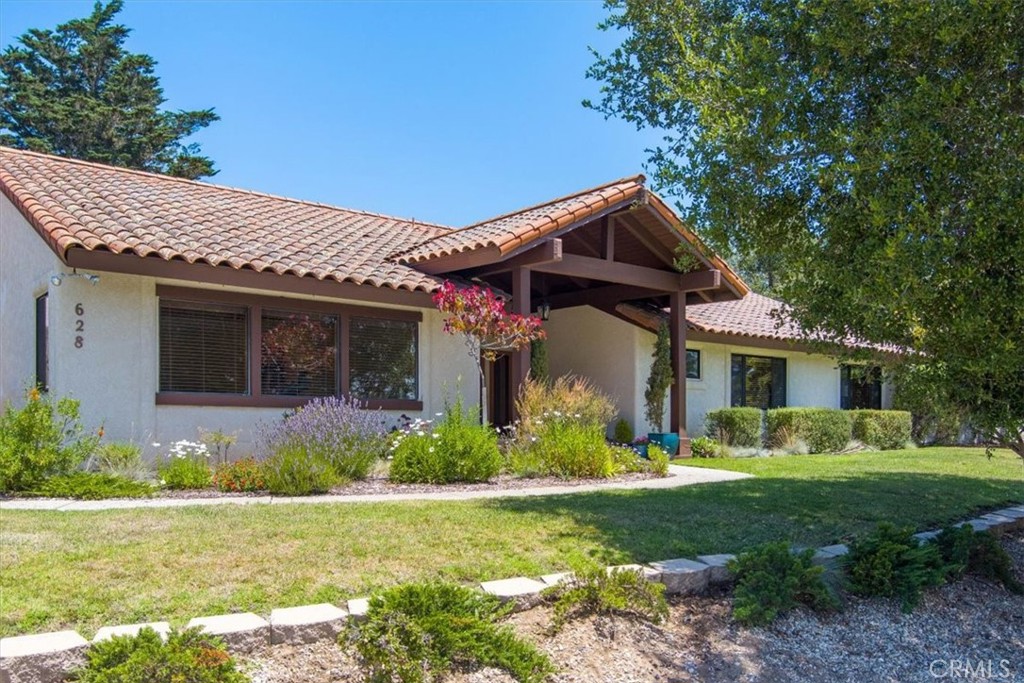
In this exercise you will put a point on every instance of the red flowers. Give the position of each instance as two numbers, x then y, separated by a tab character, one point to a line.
480	315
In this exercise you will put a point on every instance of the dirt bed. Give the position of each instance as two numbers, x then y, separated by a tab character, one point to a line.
970	626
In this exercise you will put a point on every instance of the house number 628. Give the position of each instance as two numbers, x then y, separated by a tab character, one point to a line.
79	325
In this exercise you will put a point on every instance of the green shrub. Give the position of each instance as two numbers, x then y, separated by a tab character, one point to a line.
824	430
623	432
185	467
657	460
704	447
290	471
890	562
241	475
417	632
735	426
458	449
120	458
42	439
965	550
771	580
883	429
187	656
568	448
660	378
92	486
539	360
599	591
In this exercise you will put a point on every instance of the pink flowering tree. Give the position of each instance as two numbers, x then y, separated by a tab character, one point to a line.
487	327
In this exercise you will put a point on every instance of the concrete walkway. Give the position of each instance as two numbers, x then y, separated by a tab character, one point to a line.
678	476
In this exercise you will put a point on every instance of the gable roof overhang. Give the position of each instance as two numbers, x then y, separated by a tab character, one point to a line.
575	238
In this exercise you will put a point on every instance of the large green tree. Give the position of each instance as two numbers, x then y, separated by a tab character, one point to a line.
875	148
77	92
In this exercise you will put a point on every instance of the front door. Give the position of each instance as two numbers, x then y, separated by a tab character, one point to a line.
499	393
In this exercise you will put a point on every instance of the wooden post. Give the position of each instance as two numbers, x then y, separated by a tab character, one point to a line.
677	333
519	361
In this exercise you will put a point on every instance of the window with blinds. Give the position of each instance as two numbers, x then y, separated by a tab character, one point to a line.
758	382
204	348
299	354
382	359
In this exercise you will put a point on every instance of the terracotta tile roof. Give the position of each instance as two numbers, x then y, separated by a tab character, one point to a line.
512	230
754	315
81	205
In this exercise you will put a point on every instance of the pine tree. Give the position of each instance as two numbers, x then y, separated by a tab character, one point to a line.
76	92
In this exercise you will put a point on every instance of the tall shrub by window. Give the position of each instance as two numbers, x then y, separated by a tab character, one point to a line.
758	382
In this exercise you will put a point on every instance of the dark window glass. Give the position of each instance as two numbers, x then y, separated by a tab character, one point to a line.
382	359
692	364
860	387
299	354
204	348
758	382
42	343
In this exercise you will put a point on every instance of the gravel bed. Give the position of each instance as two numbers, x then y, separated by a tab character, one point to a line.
972	621
381	485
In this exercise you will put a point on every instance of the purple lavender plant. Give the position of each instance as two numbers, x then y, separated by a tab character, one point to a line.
339	431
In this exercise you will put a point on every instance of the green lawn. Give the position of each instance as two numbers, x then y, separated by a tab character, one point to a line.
85	569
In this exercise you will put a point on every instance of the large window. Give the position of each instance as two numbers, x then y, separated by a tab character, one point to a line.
758	382
221	348
860	386
203	348
382	359
299	354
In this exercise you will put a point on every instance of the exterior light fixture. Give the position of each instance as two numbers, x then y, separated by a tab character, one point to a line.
544	310
58	279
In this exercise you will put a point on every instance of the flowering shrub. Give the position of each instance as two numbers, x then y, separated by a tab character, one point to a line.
338	431
40	440
186	466
481	316
457	449
566	396
241	475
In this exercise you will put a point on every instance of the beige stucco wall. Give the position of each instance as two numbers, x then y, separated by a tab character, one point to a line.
115	372
617	356
26	265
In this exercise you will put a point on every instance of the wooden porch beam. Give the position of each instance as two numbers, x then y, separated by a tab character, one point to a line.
601	296
519	361
549	251
677	333
700	280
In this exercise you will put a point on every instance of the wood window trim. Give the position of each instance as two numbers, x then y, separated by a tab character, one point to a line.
256	303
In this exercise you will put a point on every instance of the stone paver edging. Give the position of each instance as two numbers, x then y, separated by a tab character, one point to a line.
48	657
678	475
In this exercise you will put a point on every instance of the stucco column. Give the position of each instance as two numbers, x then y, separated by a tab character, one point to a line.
677	332
519	361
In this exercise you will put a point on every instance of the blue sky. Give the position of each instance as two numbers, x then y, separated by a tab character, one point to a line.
448	112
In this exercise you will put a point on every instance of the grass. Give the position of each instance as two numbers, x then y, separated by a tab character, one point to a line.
86	569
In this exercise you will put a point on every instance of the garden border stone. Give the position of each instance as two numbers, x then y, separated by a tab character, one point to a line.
107	632
306	624
241	632
683	576
357	608
719	570
41	658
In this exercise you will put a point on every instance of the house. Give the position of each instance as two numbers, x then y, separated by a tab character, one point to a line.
166	305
